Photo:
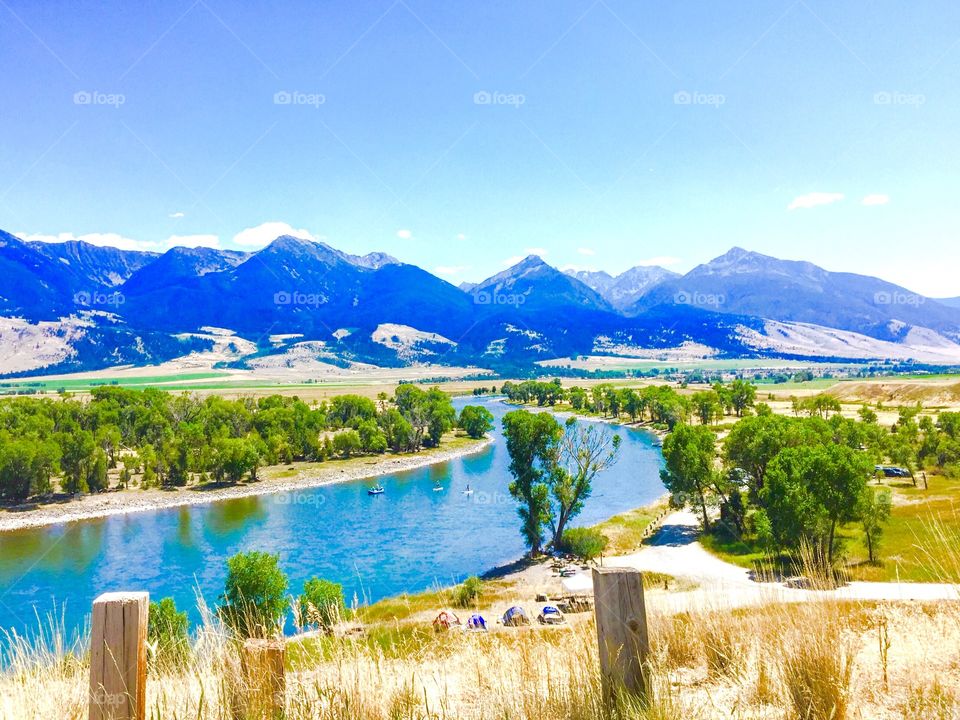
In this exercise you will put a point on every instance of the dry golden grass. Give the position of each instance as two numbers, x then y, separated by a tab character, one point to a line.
813	661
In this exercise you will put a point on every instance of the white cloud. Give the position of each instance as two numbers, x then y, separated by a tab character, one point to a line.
176	215
585	251
811	200
450	269
461	236
871	200
262	235
404	234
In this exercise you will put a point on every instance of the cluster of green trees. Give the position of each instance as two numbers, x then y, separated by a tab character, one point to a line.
528	391
788	482
553	467
918	441
711	406
915	442
661	404
822	405
164	439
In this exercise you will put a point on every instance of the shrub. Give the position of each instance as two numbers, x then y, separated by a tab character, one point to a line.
583	543
468	592
321	602
253	599
167	631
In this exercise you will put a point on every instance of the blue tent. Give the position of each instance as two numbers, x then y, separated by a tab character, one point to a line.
515	616
476	622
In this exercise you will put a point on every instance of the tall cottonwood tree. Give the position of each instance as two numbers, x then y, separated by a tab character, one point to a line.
532	440
584	451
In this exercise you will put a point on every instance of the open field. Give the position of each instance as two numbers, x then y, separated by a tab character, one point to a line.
230	383
918	544
707	364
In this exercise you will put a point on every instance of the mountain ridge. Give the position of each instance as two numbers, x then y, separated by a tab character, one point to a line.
623	290
740	303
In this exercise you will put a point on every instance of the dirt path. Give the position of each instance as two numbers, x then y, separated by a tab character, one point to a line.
676	551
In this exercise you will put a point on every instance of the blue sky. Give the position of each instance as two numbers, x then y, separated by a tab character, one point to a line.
460	135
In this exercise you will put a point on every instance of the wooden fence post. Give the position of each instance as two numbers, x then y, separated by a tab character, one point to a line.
118	656
621	630
262	668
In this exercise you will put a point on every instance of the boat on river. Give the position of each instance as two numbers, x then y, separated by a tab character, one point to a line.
376	490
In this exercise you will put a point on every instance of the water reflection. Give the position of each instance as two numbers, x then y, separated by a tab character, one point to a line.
231	516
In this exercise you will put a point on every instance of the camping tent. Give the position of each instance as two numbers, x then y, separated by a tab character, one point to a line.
550	615
515	616
476	622
445	620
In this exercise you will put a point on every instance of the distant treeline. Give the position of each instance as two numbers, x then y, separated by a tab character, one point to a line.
164	439
661	404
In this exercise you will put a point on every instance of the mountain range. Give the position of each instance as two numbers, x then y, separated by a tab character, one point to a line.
82	306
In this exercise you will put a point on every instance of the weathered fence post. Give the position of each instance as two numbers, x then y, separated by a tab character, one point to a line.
621	630
118	656
261	696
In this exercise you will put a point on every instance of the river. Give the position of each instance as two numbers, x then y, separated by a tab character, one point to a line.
409	539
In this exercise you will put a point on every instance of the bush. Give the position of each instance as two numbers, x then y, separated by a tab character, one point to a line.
167	631
321	602
468	592
583	543
254	600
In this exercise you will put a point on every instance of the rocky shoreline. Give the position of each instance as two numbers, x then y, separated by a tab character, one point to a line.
121	502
